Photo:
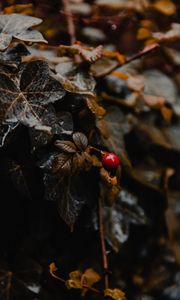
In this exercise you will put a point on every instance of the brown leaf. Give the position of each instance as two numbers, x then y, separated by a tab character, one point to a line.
66	146
95	108
80	140
115	294
87	53
62	162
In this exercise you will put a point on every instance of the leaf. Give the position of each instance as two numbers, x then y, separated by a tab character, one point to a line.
75	78
87	53
95	108
5	132
166	7
113	127
160	85
169	36
115	294
83	281
104	66
90	277
24	99
80	140
18	26
66	146
61	124
12	56
75	280
118	218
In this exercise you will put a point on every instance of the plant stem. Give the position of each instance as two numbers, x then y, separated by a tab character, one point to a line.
103	245
70	22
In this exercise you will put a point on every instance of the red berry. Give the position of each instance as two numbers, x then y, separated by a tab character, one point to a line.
110	161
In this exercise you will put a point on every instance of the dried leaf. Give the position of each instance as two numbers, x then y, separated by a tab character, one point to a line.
83	281
75	280
87	54
18	26
95	108
115	294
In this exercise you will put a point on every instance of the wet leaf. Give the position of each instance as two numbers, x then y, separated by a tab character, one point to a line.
23	100
18	26
12	56
66	146
80	140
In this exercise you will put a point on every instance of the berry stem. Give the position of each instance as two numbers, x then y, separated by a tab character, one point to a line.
103	245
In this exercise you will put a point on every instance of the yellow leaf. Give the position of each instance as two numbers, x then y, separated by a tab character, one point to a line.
75	280
90	277
115	294
165	7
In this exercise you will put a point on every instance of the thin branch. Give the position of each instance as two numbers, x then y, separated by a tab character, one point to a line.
103	245
70	22
143	52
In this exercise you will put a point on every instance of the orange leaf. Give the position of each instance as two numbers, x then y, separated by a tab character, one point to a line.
165	7
120	75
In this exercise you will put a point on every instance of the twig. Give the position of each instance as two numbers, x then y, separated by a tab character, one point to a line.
140	54
143	52
103	245
70	22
